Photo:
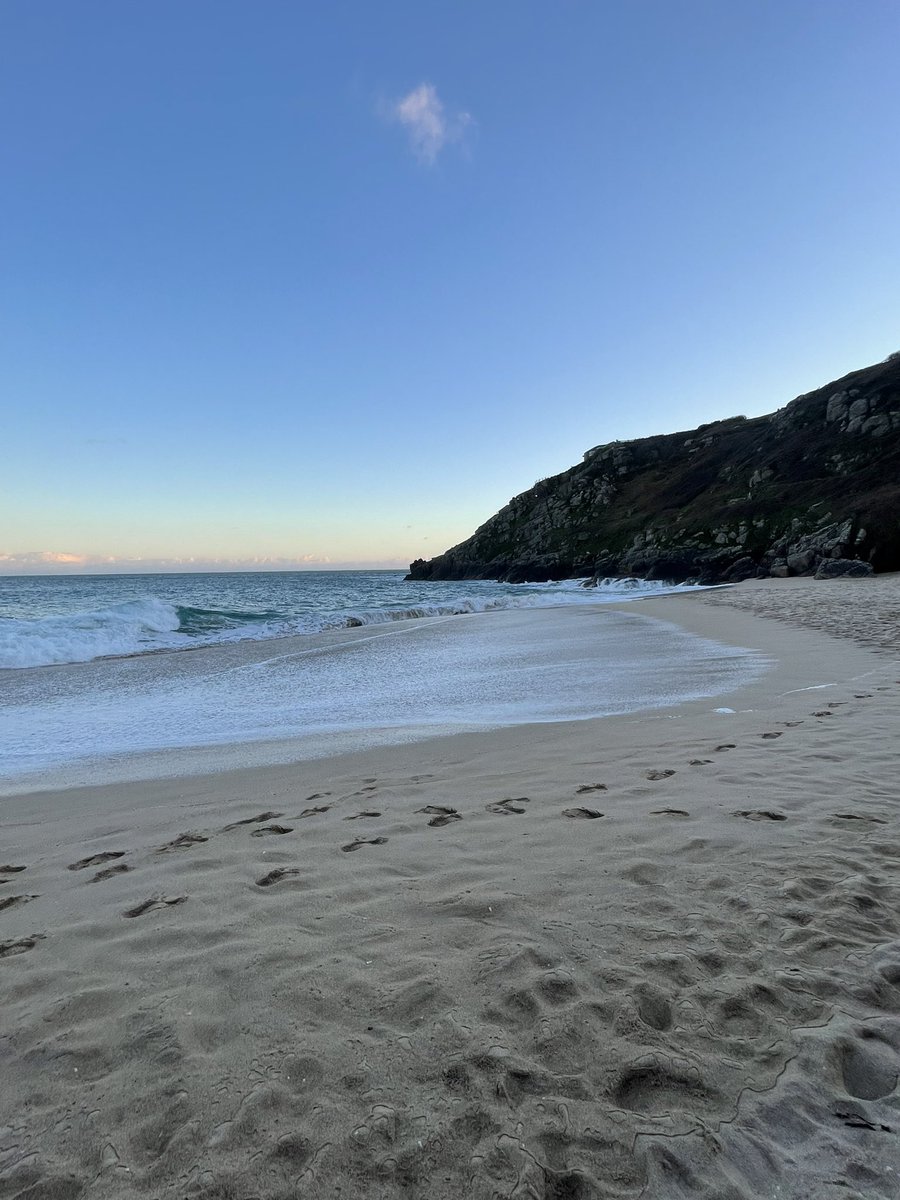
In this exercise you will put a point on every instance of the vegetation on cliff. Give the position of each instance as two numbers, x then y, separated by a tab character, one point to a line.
775	495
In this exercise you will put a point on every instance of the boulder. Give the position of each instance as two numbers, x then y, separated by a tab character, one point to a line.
744	568
843	568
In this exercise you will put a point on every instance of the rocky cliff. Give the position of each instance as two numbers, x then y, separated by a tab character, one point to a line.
817	480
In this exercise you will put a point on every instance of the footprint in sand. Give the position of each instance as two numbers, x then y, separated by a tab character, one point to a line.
264	816
760	814
507	808
14	901
664	774
823	712
311	812
591	787
183	842
770	736
699	762
351	846
726	746
316	796
266	830
656	1085
276	875
440	814
653	1008
582	814
20	945
12	870
869	1064
859	817
153	902
669	812
94	861
109	872
792	724
360	815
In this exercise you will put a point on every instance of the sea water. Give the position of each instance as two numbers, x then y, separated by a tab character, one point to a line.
117	677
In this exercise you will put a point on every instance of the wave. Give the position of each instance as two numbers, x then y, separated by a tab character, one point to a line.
79	637
149	624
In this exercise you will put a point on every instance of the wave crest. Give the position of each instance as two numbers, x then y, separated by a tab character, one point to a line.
79	637
150	624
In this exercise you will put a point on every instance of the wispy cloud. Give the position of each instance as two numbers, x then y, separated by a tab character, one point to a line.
429	125
47	562
42	558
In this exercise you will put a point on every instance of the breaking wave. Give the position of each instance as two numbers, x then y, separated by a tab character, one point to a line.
150	624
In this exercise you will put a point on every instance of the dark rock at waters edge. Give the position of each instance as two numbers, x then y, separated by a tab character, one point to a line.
836	568
797	492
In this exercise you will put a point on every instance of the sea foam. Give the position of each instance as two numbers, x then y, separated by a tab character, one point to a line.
150	624
344	690
126	628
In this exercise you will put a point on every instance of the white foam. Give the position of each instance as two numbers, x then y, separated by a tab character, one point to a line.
148	623
126	628
428	677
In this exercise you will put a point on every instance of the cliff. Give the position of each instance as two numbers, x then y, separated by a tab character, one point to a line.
775	495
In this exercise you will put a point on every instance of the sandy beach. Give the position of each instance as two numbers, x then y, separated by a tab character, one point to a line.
648	956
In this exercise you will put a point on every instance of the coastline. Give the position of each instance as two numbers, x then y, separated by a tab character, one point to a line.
299	698
696	994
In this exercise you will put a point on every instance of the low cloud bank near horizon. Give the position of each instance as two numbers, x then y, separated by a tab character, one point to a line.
54	562
427	122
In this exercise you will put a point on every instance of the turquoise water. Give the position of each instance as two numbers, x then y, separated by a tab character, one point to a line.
60	619
112	677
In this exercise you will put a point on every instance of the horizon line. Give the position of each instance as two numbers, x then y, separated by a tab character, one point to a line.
199	571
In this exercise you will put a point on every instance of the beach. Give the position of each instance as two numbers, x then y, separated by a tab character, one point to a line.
650	955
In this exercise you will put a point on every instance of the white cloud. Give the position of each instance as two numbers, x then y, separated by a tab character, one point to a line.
42	558
429	126
52	562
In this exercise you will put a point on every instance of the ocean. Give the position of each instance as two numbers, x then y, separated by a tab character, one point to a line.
111	677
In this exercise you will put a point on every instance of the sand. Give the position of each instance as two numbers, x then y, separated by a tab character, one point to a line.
649	956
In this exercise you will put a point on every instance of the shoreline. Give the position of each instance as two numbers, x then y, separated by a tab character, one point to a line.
405	681
794	656
650	955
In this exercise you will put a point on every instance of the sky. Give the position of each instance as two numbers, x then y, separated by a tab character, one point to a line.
290	284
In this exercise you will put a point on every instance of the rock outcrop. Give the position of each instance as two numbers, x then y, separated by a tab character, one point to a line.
836	568
818	480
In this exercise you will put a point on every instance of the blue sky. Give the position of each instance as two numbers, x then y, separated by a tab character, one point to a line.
288	283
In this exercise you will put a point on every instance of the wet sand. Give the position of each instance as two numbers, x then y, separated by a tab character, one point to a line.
655	955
